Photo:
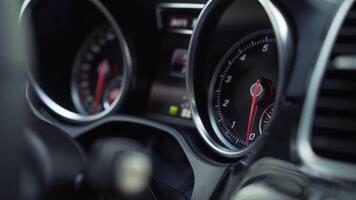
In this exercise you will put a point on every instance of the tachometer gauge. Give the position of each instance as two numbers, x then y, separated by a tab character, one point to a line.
97	73
242	90
265	118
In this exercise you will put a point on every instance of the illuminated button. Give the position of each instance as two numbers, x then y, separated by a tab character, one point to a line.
186	113
173	110
179	23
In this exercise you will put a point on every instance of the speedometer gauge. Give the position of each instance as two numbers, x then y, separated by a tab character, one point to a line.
242	90
97	73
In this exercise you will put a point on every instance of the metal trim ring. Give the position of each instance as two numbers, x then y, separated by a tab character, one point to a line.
284	46
127	72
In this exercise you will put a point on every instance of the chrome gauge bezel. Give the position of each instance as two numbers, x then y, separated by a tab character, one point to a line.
283	37
127	72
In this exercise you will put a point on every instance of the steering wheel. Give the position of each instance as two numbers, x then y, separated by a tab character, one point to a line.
12	138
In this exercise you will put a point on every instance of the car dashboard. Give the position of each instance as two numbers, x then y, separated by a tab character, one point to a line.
207	89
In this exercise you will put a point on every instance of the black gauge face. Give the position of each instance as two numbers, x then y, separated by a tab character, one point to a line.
97	73
242	90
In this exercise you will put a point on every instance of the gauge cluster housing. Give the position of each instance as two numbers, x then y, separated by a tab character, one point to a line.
58	36
216	32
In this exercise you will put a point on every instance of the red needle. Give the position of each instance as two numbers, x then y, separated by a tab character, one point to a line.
100	84
253	111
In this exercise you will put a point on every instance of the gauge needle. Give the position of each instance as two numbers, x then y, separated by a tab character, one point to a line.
253	111
100	84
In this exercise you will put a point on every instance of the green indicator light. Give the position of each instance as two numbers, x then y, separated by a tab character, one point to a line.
173	110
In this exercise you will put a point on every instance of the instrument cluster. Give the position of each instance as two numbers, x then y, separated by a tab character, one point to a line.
219	73
99	70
